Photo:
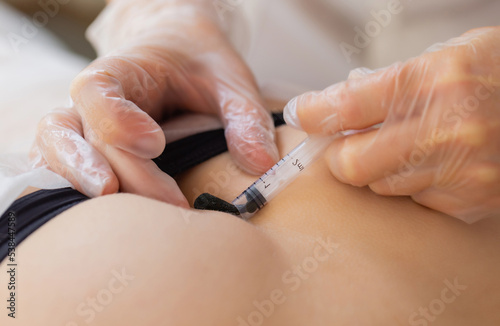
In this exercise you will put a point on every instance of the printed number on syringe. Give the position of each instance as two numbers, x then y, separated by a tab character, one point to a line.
298	164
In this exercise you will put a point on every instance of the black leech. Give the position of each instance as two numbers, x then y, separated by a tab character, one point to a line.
210	202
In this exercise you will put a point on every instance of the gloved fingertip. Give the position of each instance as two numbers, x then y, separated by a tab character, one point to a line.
271	156
290	114
257	159
174	196
251	141
97	183
182	202
150	181
273	152
111	186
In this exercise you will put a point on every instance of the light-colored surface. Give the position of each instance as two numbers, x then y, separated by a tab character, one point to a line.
68	19
297	42
35	76
82	10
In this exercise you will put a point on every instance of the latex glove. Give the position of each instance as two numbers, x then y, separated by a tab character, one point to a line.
440	138
157	57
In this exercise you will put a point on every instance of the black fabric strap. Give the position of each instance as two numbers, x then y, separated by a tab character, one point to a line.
188	152
32	211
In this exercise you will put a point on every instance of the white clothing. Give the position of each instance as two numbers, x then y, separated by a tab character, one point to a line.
297	42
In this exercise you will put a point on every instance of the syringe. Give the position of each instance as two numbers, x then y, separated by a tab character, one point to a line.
281	174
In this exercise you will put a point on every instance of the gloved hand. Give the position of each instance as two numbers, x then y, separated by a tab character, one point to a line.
156	57
440	138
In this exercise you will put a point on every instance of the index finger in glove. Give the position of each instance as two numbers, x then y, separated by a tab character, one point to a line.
249	133
102	100
249	128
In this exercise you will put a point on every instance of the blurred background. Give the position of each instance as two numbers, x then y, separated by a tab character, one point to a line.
38	61
70	24
291	46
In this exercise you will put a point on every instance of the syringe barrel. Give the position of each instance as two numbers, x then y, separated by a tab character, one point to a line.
280	175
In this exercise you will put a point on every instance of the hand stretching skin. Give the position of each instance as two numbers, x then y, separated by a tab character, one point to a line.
440	138
155	57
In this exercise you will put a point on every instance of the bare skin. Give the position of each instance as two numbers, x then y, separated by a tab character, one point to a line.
325	253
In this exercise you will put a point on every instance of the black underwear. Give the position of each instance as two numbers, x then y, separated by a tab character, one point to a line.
30	212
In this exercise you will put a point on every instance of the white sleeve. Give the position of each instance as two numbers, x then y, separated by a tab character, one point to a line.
291	47
287	50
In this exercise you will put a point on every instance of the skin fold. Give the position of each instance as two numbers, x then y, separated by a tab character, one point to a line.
320	253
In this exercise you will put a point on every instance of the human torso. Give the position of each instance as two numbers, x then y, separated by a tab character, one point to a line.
356	256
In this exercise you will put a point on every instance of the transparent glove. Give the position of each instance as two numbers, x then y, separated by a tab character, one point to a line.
440	138
156	57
